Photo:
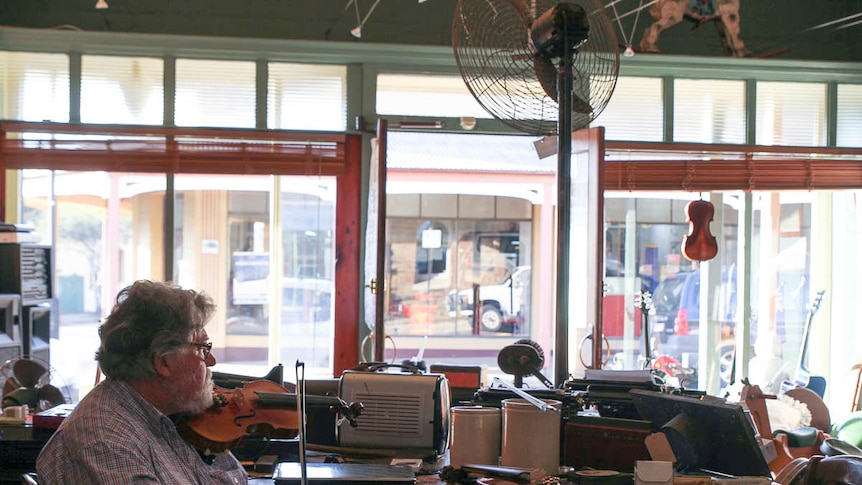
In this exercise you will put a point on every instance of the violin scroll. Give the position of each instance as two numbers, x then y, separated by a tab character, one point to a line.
699	244
348	411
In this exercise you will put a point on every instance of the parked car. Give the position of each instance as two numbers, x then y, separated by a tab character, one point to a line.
675	321
502	305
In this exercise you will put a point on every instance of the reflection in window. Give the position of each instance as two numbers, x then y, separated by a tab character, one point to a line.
432	288
778	294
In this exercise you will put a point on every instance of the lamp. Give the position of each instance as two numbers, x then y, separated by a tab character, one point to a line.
357	31
101	4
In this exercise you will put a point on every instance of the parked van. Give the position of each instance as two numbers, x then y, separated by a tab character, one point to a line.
502	305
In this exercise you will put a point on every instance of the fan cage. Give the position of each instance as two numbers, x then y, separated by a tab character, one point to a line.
496	59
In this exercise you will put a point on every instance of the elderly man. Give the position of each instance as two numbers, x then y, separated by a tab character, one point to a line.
156	359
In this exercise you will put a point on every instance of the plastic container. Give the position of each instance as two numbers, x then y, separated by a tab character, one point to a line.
475	436
531	437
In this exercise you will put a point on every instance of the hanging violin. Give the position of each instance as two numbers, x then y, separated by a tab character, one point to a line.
258	407
699	244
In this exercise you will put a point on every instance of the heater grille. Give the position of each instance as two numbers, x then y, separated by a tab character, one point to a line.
386	414
400	411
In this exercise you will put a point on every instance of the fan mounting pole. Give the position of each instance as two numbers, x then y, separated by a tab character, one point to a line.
565	85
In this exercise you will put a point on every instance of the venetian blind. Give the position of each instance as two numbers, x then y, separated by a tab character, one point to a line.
849	115
635	111
421	95
307	97
215	93
709	111
122	90
35	86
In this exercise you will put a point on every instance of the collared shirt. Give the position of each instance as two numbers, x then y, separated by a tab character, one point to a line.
114	436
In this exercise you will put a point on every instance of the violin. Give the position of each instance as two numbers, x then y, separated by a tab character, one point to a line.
258	407
699	244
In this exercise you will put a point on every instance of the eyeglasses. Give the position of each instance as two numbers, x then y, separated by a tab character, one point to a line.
205	348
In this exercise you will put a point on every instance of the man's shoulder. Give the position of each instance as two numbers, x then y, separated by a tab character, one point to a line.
107	409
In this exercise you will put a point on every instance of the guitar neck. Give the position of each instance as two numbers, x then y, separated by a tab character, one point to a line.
802	374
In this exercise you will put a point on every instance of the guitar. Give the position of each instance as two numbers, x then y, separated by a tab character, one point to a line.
643	299
802	377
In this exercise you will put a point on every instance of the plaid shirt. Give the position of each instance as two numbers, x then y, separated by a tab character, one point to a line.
114	436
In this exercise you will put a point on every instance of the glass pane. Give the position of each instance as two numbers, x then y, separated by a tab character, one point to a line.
695	307
215	93
35	86
109	232
122	90
418	95
224	247
849	115
221	246
791	114
783	288
307	272
652	285
307	97
709	111
37	202
641	95
482	236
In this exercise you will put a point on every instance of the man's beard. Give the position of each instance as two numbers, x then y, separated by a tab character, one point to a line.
193	399
203	398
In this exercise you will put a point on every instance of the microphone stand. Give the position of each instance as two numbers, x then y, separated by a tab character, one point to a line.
300	408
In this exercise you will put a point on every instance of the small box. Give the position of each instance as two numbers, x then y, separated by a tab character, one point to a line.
52	418
464	380
653	473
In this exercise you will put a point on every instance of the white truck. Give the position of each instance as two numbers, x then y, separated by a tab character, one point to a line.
501	305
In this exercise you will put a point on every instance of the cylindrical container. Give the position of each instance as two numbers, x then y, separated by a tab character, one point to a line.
531	437
475	436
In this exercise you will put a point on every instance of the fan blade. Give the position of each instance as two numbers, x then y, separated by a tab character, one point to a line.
521	7
546	73
28	372
51	395
580	106
9	387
